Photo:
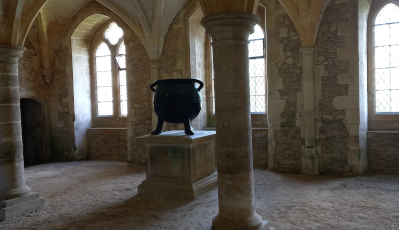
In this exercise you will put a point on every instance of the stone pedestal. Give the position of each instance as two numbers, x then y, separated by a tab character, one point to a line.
179	166
15	197
230	33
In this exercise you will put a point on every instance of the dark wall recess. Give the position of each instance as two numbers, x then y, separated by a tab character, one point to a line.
32	119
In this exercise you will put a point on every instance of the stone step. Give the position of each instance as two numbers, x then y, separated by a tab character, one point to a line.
20	205
20	200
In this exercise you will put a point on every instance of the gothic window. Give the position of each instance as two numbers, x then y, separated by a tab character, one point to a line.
386	45
122	78
256	52
110	81
104	81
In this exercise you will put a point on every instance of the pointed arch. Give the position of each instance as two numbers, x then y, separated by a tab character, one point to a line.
383	66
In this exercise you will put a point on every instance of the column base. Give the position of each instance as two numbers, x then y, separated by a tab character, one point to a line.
18	192
178	190
17	206
253	223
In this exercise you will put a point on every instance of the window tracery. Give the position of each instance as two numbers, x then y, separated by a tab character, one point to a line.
110	81
387	59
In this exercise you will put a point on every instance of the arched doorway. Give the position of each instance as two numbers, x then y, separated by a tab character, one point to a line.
32	120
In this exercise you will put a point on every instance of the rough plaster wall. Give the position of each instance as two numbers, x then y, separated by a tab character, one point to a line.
33	36
61	116
107	144
82	94
383	152
284	85
339	104
173	63
139	79
30	80
171	9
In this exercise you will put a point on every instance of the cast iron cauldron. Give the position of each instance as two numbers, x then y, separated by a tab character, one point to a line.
177	101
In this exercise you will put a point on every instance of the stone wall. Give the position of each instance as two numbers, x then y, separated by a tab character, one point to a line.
284	85
338	65
107	144
336	81
82	94
334	136
181	48
33	86
138	77
259	147
383	152
140	96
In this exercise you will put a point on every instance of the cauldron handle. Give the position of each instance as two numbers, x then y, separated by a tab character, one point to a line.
201	84
153	85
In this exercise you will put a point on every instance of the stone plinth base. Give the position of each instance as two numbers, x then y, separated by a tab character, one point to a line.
21	205
179	166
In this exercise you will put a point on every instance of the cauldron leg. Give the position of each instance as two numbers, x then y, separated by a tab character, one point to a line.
158	130
188	129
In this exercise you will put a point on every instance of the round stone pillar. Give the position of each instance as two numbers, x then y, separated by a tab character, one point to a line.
12	179
229	34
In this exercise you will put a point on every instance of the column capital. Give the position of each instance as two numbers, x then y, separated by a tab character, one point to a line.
230	26
11	53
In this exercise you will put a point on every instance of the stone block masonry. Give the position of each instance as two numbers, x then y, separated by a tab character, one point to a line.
337	34
288	150
107	144
383	152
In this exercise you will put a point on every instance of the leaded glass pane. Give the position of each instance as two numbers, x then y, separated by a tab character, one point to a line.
383	99
122	48
257	67
395	99
103	50
255	48
387	60
104	81
381	35
113	33
257	34
103	94
257	81
382	79
105	108
103	63
388	14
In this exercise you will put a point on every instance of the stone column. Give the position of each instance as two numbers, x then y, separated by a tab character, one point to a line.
310	159
12	179
230	33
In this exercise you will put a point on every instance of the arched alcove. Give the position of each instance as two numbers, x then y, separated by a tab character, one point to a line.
80	46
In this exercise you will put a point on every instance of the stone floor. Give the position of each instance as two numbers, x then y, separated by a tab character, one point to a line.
102	195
